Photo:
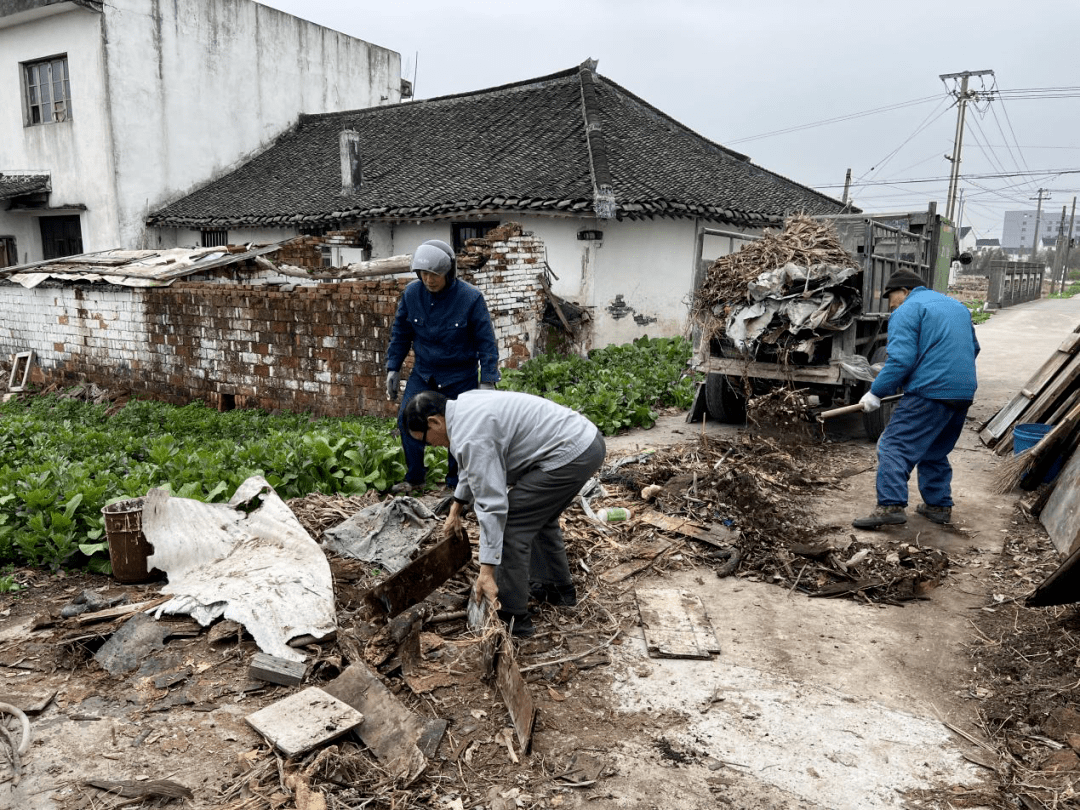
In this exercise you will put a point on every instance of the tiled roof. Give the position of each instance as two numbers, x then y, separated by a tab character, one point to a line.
987	243
16	185
520	147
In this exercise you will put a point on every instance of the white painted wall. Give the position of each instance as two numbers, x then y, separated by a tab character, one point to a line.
650	263
76	152
167	96
196	87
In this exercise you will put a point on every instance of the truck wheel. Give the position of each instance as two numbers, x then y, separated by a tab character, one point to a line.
874	422
722	401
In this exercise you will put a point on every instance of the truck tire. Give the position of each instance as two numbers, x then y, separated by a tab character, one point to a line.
874	422
722	401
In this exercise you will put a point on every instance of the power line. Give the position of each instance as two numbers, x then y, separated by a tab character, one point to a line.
1035	173
837	119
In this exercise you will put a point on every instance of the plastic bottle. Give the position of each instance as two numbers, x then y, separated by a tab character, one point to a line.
615	514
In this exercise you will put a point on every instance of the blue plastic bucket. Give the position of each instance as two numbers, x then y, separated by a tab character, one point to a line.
1026	436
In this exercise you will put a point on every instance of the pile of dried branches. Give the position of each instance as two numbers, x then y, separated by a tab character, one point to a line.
764	488
803	242
318	512
781	408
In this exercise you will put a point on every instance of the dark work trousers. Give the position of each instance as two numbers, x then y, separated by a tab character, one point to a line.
415	471
533	549
921	433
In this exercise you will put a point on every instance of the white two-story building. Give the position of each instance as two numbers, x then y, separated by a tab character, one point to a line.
109	110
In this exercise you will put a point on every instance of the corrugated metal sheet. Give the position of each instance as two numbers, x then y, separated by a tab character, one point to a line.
131	268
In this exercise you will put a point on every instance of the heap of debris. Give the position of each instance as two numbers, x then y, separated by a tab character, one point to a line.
780	289
760	489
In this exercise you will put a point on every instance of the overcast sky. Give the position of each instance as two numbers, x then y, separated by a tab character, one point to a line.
738	72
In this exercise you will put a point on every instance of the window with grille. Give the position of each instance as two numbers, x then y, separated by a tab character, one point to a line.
48	91
215	238
470	230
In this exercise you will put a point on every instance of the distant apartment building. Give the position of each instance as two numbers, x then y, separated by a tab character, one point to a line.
1018	232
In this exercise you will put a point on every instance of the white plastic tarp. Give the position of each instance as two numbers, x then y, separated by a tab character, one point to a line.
249	560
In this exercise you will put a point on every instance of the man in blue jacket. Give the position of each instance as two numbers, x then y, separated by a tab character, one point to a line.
445	322
931	356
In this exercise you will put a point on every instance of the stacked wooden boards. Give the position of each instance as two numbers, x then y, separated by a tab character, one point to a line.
1047	396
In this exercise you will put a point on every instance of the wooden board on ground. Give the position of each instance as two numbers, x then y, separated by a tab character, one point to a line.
1061	515
119	610
718	536
1001	422
675	624
1061	587
515	694
390	729
266	667
32	701
643	559
304	720
412	584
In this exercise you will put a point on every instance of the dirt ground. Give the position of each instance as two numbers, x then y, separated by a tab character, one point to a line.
914	678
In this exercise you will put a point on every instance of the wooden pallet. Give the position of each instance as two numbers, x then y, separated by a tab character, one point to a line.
1045	396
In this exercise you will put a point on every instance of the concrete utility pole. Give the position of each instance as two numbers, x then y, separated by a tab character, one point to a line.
847	187
1068	245
1059	253
1038	219
963	95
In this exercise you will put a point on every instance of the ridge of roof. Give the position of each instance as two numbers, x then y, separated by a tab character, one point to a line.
525	84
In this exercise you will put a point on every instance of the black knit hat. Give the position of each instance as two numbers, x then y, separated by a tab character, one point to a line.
902	280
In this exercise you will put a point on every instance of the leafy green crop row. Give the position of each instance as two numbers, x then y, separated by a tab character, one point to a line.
616	387
61	461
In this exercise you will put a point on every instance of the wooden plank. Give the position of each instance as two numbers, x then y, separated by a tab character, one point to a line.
1067	405
304	720
390	729
412	584
718	536
515	694
266	667
675	624
643	559
119	610
1061	587
1061	515
998	424
1048	399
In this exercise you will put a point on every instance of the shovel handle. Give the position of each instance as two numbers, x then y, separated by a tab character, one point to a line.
821	417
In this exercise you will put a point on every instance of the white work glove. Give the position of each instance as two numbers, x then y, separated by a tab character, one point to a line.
869	402
393	378
487	386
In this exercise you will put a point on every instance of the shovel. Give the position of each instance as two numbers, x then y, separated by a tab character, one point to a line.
821	417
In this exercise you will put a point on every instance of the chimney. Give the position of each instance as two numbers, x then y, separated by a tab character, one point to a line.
352	171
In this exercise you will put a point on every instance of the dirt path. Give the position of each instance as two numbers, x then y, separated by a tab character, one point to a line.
837	704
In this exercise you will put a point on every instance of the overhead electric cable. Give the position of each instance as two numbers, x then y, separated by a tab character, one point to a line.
837	119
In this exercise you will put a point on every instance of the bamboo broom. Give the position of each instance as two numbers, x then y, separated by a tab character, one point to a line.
1010	473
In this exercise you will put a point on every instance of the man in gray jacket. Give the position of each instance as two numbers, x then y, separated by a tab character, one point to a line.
522	460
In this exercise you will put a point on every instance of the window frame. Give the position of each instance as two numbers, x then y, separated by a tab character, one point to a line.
214	237
460	231
37	103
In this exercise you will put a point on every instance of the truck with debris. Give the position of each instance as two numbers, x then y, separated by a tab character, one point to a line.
802	307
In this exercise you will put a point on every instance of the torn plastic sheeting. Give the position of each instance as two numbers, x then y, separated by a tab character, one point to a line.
386	533
859	367
249	560
775	283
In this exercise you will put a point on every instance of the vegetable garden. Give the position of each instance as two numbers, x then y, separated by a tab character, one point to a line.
62	460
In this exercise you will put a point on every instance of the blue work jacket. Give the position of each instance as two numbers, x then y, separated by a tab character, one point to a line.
932	349
450	333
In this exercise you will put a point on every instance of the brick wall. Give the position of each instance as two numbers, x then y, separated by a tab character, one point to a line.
318	348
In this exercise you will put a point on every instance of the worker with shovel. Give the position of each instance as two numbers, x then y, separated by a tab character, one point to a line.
931	356
523	459
445	321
